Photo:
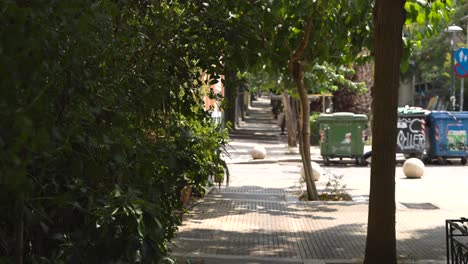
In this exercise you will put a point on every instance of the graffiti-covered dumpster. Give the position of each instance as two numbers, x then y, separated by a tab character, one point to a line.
411	132
342	135
448	136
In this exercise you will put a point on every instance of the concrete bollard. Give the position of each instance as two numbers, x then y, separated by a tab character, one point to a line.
258	152
413	168
317	171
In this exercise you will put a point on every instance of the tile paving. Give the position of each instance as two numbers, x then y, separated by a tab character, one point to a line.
233	223
256	220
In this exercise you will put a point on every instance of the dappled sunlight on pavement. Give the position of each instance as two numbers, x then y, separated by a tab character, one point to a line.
258	218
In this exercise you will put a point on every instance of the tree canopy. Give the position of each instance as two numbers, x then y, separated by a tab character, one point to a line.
430	53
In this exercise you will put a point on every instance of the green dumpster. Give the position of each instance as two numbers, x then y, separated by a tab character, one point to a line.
342	135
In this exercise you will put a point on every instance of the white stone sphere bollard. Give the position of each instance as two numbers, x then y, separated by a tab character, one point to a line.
413	168
258	152
317	171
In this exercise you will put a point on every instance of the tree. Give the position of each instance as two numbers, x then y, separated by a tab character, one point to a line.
389	18
309	27
241	28
296	69
388	23
430	55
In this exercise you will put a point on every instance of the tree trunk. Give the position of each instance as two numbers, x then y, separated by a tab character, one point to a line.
296	69
230	92
381	237
290	119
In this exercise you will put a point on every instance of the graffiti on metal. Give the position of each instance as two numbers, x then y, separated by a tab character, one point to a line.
411	134
456	137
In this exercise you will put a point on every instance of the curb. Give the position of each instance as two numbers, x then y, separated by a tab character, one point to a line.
271	161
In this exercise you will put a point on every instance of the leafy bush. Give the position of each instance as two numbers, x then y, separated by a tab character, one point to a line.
314	129
100	128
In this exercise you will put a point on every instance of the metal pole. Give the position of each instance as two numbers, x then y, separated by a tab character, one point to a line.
462	87
452	73
452	30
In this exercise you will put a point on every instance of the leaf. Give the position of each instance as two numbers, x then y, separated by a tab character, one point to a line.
421	18
295	30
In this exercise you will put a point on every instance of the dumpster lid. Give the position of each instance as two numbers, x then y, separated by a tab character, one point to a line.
341	116
448	115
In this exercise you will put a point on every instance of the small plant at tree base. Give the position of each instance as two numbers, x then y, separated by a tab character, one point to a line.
335	189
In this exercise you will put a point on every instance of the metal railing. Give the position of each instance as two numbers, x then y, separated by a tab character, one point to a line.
456	236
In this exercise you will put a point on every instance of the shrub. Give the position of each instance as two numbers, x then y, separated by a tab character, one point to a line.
100	129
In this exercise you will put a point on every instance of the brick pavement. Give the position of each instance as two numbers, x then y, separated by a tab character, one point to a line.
256	220
258	224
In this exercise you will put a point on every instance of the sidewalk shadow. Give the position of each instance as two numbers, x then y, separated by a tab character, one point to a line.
338	242
341	241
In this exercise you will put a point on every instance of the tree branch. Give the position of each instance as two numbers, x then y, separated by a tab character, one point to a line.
297	55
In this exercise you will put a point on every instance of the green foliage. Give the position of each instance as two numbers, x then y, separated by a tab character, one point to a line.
424	20
328	77
340	30
101	126
430	47
335	189
314	129
262	80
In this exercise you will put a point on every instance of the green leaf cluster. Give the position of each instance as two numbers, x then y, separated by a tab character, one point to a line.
424	21
428	46
341	30
328	77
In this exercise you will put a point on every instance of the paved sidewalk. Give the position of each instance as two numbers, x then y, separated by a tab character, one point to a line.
257	225
258	219
260	128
